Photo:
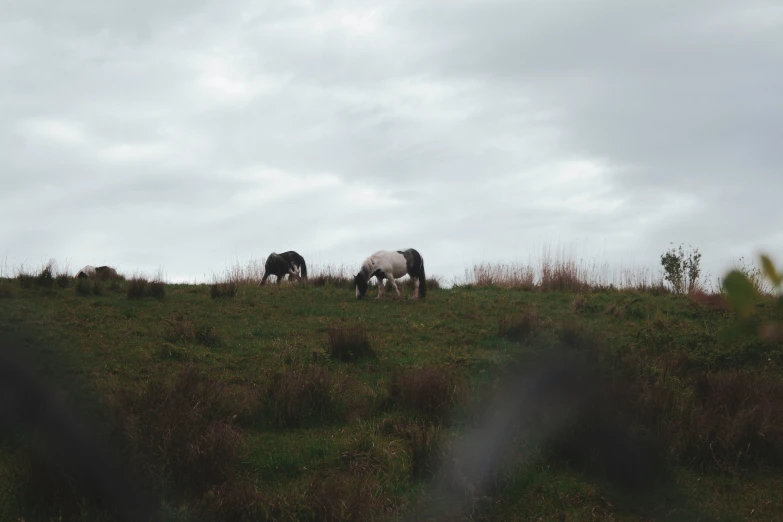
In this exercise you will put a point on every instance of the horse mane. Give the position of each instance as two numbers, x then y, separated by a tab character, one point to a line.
366	270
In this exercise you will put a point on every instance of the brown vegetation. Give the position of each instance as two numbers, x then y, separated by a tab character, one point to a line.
431	392
349	343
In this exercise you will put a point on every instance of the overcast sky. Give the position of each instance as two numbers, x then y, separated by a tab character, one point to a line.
187	134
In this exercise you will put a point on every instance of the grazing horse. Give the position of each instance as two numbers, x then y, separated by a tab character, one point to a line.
87	271
282	264
100	272
392	265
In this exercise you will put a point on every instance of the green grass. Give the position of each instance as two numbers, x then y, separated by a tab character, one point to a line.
321	435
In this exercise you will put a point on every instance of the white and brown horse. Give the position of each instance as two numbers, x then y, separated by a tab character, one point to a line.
391	265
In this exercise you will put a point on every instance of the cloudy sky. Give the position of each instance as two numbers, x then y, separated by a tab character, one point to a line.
188	134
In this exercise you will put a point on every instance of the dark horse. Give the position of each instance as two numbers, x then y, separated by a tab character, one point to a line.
282	264
391	265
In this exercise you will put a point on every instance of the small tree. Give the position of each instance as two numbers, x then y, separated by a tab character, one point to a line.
682	269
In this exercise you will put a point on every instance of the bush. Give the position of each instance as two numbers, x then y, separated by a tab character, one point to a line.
681	269
349	343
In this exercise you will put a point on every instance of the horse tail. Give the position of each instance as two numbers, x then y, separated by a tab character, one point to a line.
422	279
303	266
422	282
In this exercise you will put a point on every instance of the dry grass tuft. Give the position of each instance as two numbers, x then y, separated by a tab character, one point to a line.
158	289
578	304
330	275
349	343
7	291
86	287
345	495
183	430
711	301
179	329
519	327
431	392
225	289
500	275
140	287
306	393
732	419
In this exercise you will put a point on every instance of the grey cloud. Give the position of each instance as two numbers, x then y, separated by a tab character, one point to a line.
458	109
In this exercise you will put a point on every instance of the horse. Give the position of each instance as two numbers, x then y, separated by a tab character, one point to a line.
391	265
87	271
284	264
102	273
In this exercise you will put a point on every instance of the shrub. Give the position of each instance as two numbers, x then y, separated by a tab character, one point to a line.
682	269
349	343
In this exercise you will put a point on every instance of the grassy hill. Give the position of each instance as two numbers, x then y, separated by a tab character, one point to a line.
298	402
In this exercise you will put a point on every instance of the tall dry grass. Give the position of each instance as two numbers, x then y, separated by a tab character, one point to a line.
561	270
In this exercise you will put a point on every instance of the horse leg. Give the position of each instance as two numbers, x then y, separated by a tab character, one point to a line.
263	279
381	286
394	285
280	278
416	288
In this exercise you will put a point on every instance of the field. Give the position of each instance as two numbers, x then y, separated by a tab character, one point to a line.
298	402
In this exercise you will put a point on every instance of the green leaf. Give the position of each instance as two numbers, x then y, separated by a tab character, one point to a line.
769	270
740	292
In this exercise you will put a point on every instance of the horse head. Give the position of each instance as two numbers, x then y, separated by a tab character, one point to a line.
361	285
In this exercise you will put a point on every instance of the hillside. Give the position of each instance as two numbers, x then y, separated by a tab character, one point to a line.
240	408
